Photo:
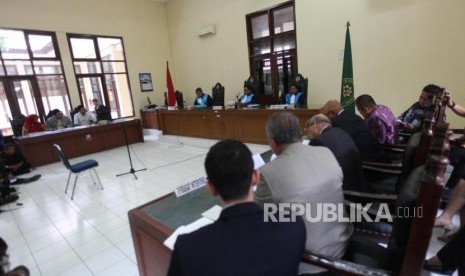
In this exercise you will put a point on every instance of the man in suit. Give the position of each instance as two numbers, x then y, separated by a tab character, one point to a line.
303	174
351	123
321	133
240	242
58	121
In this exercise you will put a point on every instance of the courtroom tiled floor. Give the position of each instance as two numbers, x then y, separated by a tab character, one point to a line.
53	235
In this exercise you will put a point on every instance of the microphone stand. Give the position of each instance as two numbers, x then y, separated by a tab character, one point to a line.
131	170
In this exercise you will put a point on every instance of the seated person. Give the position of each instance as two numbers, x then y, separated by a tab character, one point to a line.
32	124
411	119
202	100
379	119
304	174
83	117
295	97
240	242
451	257
4	262
101	112
57	120
248	97
358	130
15	162
321	133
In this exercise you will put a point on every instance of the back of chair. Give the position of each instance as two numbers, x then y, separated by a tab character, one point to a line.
179	99
218	94
62	156
17	125
411	236
301	82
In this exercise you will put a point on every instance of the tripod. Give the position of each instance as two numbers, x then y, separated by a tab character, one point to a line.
131	170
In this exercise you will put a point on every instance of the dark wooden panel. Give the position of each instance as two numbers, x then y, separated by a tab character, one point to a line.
245	125
149	118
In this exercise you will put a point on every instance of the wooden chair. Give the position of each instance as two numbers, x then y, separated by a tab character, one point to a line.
414	153
254	83
179	99
218	94
408	244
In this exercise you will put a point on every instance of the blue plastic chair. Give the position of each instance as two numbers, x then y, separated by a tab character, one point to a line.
77	168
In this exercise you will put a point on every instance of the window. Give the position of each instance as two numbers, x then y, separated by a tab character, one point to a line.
271	36
31	76
101	72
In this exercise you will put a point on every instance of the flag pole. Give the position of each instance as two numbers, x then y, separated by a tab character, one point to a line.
347	83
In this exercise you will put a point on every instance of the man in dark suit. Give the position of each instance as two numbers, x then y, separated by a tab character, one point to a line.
240	242
321	133
351	123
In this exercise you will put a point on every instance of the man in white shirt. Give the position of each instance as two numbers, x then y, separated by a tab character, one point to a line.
83	117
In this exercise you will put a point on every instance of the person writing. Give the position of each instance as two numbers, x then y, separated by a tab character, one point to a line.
248	97
83	117
32	124
240	242
57	121
202	100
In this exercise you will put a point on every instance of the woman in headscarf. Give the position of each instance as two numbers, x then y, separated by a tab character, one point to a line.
32	124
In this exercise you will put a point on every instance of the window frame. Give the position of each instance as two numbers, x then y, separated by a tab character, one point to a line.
33	77
272	55
102	75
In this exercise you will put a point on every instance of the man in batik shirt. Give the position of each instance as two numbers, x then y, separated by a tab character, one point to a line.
379	119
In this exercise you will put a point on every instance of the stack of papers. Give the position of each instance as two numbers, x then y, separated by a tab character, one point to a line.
208	217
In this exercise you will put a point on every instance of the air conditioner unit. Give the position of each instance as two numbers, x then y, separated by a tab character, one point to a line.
207	30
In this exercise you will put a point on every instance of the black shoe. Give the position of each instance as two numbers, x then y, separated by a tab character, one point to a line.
32	179
26	180
8	199
437	269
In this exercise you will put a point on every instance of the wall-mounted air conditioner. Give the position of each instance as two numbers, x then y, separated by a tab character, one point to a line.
206	31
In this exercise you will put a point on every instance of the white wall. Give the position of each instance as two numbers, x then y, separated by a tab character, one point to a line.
398	46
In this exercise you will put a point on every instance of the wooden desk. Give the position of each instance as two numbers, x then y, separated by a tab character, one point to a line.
149	118
246	125
78	141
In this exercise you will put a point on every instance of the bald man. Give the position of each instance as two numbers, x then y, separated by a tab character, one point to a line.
339	142
358	130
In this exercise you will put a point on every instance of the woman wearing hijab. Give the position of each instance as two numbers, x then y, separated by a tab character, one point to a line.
32	124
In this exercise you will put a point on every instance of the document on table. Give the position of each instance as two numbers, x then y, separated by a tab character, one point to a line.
257	161
208	217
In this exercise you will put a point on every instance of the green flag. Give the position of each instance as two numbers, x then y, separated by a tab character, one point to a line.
347	86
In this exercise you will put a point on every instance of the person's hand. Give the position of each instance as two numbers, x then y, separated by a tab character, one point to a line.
447	97
408	126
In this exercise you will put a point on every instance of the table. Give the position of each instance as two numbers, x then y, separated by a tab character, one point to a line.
37	148
246	125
